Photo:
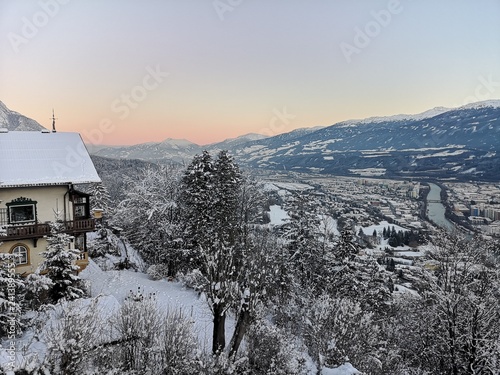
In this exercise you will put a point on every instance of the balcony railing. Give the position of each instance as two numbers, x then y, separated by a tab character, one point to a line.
83	225
18	232
26	231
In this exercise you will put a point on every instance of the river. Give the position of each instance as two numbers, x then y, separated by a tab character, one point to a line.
436	210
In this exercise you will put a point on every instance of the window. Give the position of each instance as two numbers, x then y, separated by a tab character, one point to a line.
80	211
80	200
22	254
22	214
80	205
22	210
80	242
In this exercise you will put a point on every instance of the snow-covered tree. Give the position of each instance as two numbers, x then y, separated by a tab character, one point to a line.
256	277
150	217
465	299
197	198
38	287
210	198
252	203
100	245
59	264
100	197
338	330
453	326
302	258
318	260
274	350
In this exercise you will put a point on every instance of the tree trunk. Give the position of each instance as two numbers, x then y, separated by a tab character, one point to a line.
240	330
219	333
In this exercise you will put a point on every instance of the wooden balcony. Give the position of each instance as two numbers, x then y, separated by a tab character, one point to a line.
19	232
79	226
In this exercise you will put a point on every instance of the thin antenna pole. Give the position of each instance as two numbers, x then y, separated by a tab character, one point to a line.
53	121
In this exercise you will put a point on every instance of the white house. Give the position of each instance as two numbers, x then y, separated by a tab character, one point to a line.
38	171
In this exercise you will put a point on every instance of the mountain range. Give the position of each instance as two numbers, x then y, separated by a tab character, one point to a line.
170	150
456	143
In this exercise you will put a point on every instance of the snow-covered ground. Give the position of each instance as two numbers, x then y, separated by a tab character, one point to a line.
292	186
172	295
384	243
380	228
345	369
169	295
407	253
111	288
278	215
108	291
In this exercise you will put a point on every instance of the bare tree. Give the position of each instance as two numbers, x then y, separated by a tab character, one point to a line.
453	326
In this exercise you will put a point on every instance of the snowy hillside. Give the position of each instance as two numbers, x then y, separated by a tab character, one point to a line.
169	296
109	291
15	121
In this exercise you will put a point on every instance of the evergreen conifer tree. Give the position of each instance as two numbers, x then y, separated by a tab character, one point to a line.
60	264
210	200
100	197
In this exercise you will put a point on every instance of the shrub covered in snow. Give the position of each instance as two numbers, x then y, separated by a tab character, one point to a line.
338	330
158	271
273	351
153	342
72	336
194	280
177	344
37	290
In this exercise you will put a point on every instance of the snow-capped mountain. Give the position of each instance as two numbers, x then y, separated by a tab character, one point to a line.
176	150
15	121
440	142
419	116
237	141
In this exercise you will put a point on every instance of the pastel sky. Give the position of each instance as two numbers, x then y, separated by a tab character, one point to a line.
128	72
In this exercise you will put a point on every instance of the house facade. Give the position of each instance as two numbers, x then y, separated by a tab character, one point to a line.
38	174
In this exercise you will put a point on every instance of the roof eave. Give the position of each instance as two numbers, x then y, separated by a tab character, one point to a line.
48	184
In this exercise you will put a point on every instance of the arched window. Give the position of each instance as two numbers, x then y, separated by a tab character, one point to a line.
22	254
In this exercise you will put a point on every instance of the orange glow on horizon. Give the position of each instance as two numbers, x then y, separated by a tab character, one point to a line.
114	135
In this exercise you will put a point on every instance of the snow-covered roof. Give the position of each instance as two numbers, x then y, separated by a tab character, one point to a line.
43	158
